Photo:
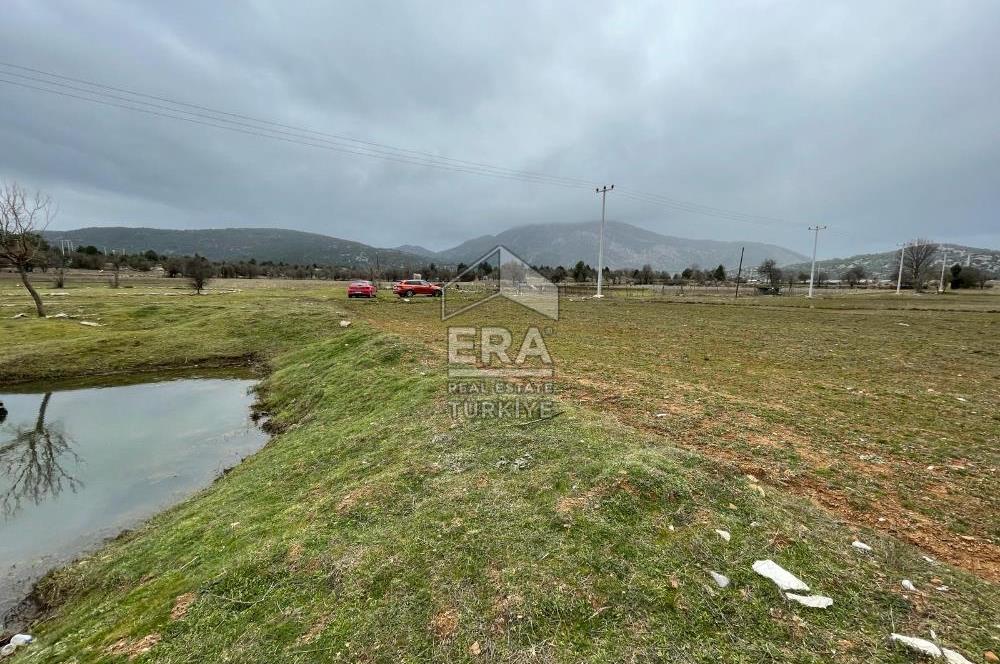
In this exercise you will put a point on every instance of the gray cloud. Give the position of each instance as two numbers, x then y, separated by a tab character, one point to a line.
878	119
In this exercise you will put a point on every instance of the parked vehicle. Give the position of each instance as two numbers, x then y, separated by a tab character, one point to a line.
362	288
411	287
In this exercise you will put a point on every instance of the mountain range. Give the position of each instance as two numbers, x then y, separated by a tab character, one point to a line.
885	265
626	246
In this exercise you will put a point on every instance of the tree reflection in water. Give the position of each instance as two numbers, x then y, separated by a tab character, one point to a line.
33	462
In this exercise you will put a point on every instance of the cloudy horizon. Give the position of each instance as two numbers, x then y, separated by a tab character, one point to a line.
878	121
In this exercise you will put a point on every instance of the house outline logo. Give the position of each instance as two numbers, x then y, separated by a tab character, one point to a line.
504	274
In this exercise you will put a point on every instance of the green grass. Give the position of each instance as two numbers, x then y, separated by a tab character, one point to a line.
374	528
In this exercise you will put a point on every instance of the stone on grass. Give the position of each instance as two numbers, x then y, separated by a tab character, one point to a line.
860	546
812	601
720	579
779	575
908	585
922	646
345	323
20	316
953	657
89	323
724	534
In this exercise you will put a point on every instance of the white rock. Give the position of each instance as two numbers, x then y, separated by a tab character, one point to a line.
345	323
89	323
781	577
929	560
660	415
812	601
721	579
7	650
724	534
21	639
953	657
861	546
908	585
20	315
919	645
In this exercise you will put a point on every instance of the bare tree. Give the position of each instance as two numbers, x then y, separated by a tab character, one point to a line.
853	275
917	259
22	219
770	271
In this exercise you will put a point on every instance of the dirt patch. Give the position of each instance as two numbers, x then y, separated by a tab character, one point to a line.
314	632
353	497
181	605
444	624
132	648
592	497
507	611
975	555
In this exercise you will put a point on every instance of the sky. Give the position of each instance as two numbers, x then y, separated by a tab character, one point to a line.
880	120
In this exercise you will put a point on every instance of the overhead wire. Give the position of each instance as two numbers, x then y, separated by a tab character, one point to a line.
246	124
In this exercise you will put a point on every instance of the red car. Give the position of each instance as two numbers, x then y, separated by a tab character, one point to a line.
411	287
361	288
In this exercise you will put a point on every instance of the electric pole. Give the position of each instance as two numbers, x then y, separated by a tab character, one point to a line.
899	279
739	271
812	273
944	259
603	191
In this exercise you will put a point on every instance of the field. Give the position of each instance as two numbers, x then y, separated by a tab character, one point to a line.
374	527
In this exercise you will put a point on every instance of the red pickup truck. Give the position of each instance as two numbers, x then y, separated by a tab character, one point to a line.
411	287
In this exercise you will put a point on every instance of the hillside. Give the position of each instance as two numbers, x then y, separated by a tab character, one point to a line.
886	264
273	244
625	246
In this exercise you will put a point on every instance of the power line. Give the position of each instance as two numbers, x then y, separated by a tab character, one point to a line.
250	125
326	146
305	133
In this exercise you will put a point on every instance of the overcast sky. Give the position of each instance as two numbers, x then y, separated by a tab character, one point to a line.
879	119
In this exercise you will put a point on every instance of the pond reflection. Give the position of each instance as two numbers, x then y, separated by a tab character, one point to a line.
36	461
81	464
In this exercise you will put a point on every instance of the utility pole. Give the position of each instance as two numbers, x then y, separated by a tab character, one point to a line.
739	271
944	260
899	279
812	273
603	191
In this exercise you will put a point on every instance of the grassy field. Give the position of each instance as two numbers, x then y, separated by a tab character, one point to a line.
375	528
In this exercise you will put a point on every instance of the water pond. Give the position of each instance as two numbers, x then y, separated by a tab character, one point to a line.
81	464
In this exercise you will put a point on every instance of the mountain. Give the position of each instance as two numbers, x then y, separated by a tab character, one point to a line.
625	246
416	250
886	264
232	244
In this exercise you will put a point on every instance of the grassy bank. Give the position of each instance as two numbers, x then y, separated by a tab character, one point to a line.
374	528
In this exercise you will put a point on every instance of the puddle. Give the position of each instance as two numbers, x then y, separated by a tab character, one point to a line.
81	464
